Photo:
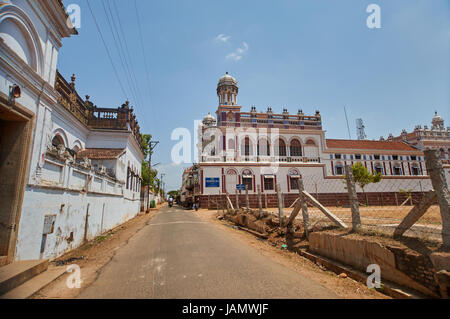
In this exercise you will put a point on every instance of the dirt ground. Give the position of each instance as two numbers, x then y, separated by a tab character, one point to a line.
95	255
382	220
346	288
92	257
378	214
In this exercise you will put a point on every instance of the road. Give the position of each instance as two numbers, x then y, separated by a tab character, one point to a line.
178	255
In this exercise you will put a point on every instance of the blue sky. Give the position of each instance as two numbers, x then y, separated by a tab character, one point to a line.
314	55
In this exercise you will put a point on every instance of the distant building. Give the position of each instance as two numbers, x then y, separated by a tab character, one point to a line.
69	170
436	137
263	149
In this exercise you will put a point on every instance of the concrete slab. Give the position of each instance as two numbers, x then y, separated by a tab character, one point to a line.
35	284
15	274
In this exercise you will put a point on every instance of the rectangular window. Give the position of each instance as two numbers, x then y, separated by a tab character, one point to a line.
294	182
413	158
248	182
358	156
382	157
379	169
351	157
377	157
268	183
395	157
415	170
339	170
337	156
397	170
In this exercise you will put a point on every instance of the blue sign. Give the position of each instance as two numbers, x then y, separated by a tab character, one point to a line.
240	187
212	182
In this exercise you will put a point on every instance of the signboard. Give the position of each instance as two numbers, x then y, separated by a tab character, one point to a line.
240	187
212	182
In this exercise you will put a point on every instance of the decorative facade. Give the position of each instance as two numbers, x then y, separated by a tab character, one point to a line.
436	137
265	149
69	170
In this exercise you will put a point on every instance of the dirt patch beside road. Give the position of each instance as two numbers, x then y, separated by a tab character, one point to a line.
93	256
343	287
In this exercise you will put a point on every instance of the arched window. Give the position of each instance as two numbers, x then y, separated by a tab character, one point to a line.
263	147
57	140
247	147
296	148
231	144
281	148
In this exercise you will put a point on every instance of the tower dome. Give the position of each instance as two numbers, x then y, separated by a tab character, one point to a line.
437	121
209	120
227	90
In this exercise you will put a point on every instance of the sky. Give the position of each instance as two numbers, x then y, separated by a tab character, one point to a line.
309	54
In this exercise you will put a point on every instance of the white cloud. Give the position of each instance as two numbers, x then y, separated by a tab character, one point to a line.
223	38
238	53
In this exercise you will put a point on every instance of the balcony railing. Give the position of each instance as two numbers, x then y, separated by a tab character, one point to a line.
121	118
262	159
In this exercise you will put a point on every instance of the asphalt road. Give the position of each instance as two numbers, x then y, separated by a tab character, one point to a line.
177	255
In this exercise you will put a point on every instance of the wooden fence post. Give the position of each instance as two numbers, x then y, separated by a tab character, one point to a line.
353	197
301	188
280	205
247	200
260	203
437	175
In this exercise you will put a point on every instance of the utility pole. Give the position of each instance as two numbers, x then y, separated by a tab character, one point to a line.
162	184
152	145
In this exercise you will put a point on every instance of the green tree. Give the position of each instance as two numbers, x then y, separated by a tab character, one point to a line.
146	138
363	177
147	179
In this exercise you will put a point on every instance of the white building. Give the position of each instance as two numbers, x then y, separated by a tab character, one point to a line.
69	170
263	149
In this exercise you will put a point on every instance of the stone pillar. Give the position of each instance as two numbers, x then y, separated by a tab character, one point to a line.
437	175
353	197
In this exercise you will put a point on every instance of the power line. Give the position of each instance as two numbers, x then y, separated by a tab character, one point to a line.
143	49
127	50
107	50
118	45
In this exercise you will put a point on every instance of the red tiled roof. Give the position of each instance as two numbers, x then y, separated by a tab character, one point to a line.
369	145
101	153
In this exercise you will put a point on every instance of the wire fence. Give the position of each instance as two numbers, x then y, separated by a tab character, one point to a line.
382	205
